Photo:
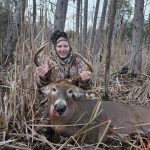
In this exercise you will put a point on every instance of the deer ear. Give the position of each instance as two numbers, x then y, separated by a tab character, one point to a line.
46	89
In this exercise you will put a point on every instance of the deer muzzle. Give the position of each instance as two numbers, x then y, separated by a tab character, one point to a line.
58	108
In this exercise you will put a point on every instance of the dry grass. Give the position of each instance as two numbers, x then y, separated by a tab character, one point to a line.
19	104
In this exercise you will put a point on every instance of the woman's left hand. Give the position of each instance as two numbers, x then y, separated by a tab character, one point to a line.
85	75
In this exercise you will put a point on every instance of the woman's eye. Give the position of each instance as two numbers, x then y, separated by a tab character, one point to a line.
66	46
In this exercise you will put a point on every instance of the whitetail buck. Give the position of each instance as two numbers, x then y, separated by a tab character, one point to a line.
69	106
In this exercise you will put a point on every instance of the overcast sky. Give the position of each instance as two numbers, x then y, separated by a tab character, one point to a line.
91	7
72	11
70	23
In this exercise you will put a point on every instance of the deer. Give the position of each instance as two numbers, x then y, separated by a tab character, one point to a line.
70	111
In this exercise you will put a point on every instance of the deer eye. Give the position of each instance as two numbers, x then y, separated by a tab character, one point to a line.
54	91
70	92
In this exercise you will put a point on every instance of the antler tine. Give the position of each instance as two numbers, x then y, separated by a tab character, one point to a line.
85	61
37	63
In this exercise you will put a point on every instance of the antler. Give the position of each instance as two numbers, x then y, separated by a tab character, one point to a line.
37	63
85	61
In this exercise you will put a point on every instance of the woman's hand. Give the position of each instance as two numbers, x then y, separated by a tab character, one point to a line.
42	70
85	75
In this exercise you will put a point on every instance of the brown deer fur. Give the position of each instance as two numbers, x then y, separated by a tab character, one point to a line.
79	110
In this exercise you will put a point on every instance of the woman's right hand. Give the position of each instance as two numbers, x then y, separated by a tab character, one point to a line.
42	70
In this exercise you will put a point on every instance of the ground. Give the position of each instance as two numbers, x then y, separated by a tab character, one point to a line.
122	88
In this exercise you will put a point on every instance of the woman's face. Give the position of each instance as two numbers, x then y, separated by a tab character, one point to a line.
62	49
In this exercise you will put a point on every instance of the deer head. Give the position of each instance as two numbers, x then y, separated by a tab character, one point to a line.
62	97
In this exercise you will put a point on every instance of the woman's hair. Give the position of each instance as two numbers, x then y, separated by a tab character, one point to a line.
58	34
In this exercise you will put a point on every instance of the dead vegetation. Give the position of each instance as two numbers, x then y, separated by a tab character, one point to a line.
19	105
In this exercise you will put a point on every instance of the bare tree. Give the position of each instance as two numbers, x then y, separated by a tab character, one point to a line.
41	13
113	8
77	20
34	16
60	14
81	27
94	24
5	12
147	71
149	32
13	31
122	29
85	26
100	33
137	39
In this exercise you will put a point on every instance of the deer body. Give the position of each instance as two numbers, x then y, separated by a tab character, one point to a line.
68	106
126	116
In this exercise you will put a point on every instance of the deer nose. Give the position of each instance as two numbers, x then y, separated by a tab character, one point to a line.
60	107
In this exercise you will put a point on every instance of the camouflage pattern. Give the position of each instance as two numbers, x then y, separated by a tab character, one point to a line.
61	71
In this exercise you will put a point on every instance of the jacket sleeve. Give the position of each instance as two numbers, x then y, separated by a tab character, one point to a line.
42	81
87	84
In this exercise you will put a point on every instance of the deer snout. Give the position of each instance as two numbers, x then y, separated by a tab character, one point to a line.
60	107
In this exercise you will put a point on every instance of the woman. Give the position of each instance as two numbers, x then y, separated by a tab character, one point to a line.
63	64
67	64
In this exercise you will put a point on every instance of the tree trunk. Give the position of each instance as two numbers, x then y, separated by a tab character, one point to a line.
60	15
81	27
85	27
94	24
13	31
34	17
77	22
109	43
137	39
41	13
147	71
149	33
122	30
100	32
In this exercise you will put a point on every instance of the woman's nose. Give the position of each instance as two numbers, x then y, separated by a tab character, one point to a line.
63	47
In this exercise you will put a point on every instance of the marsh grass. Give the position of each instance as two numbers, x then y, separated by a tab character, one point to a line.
19	103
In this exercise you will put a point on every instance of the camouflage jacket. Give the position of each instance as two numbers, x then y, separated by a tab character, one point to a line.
64	71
